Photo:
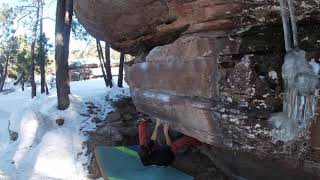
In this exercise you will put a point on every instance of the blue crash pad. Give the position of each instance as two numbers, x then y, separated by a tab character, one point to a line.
123	163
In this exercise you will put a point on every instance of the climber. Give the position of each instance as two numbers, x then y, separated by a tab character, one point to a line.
151	153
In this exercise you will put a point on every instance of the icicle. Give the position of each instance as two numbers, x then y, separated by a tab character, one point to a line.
293	23
285	24
300	83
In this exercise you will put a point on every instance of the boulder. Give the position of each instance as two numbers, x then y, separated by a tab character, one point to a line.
212	69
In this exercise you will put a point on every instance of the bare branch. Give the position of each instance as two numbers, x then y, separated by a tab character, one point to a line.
27	7
49	18
25	15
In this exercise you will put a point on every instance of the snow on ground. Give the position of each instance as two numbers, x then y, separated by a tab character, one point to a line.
45	150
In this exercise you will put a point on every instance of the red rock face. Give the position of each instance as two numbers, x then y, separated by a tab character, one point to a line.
134	26
212	69
184	68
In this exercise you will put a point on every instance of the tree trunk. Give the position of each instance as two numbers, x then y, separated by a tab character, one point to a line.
67	31
4	75
100	59
33	44
46	86
120	78
42	61
1	70
61	53
22	82
108	64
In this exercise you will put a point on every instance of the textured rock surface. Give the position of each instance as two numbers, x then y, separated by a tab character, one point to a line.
212	69
134	26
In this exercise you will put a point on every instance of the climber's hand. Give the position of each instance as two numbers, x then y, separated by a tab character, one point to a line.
158	124
166	128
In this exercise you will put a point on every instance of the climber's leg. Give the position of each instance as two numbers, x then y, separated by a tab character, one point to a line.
142	129
185	140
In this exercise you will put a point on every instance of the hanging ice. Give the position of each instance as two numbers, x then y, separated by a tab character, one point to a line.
300	84
284	129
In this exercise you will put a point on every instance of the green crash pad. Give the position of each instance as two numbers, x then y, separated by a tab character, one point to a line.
122	163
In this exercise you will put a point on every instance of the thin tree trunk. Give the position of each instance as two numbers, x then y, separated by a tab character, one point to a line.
42	61
33	83
62	74
22	82
4	76
108	64
46	86
1	70
120	78
101	64
67	31
33	44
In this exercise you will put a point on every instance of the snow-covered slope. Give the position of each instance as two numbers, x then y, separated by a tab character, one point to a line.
45	150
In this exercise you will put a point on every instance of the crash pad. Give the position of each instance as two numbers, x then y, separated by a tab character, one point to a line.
123	163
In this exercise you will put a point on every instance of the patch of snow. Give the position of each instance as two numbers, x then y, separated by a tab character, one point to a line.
247	147
207	53
305	39
262	77
305	5
263	104
246	61
273	75
243	103
257	126
229	99
234	120
43	149
253	91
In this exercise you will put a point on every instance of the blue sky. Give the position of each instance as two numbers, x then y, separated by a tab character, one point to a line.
48	24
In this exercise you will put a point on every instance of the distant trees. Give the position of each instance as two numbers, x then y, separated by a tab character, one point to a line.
8	43
15	59
42	60
23	62
9	52
30	14
64	15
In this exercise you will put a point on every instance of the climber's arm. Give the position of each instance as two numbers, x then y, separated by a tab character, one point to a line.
155	131
166	134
